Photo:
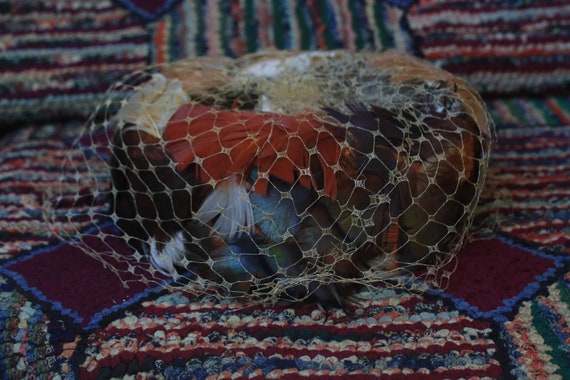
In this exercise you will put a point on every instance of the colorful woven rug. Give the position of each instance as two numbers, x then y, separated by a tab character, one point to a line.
58	57
504	312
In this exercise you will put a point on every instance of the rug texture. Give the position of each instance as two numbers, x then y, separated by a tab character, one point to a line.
58	57
503	314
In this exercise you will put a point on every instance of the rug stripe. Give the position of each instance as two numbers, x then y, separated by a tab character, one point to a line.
51	42
238	27
403	336
476	41
527	186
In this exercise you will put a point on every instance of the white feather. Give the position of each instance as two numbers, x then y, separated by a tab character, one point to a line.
230	203
172	253
265	104
266	68
153	104
273	67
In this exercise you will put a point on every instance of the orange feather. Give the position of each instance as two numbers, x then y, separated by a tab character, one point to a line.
226	143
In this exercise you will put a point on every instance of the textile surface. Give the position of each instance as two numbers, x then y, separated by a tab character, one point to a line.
58	57
503	314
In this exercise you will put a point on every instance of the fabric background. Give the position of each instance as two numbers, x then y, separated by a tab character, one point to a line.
58	57
503	314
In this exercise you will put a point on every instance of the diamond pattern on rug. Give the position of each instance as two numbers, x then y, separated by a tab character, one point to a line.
76	284
492	277
149	9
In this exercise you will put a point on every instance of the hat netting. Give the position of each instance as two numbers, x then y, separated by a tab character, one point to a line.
278	176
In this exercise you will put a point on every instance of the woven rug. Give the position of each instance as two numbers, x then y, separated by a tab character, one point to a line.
58	57
503	314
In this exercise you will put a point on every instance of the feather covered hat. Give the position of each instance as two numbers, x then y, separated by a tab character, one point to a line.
289	176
